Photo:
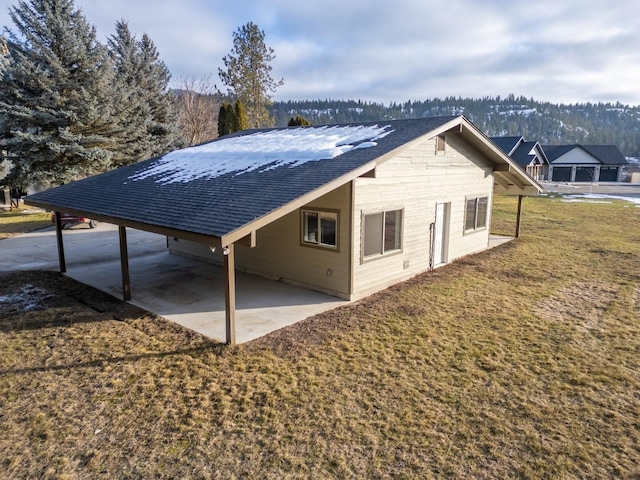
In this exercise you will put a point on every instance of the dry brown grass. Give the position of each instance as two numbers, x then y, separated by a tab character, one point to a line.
22	220
521	362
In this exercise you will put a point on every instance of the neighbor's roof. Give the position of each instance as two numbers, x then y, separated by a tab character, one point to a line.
507	144
527	151
236	184
605	154
523	153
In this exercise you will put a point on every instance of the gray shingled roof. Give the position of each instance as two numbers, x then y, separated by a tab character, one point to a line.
219	205
506	144
605	154
522	155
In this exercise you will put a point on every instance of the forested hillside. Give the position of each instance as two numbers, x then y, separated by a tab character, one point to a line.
547	123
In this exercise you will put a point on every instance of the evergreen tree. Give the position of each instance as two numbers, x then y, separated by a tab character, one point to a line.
231	118
240	116
248	74
5	165
148	121
225	119
298	121
56	95
222	120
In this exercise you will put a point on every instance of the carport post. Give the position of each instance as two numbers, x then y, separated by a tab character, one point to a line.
519	217
124	263
230	293
63	265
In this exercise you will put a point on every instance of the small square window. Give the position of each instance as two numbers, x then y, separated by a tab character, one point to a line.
320	228
440	143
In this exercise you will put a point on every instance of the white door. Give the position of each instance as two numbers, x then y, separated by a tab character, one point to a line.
441	233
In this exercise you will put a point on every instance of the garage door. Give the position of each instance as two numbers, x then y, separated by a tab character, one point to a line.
609	174
561	174
585	174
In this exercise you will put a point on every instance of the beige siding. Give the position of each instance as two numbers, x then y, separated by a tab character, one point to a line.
278	253
415	181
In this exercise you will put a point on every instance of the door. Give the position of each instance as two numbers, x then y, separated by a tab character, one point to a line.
561	174
585	174
608	174
441	234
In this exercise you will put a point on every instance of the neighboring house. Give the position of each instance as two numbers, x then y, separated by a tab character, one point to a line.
529	155
585	163
347	210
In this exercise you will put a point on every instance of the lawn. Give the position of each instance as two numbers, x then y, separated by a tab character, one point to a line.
22	220
520	362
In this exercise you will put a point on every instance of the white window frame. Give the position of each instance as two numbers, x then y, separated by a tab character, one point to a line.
382	252
476	201
316	240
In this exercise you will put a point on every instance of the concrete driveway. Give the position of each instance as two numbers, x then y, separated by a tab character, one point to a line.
183	290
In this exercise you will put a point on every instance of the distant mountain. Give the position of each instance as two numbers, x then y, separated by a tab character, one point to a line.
547	123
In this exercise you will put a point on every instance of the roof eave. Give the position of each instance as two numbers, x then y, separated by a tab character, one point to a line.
211	240
519	183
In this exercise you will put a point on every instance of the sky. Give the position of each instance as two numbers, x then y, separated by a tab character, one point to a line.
562	51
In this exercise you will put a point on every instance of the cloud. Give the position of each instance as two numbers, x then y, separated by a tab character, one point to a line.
574	50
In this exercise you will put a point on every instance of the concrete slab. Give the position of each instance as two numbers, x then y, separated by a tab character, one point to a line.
83	246
183	290
497	240
191	293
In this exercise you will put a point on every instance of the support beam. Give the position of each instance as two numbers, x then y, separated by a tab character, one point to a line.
519	217
124	263
500	180
501	167
61	261
230	293
249	240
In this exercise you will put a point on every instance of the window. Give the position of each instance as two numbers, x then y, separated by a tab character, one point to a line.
476	213
440	143
320	228
381	233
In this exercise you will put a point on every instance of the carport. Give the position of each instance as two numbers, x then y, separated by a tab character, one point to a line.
223	277
186	291
189	293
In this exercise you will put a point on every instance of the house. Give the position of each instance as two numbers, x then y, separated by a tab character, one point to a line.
347	210
585	163
529	155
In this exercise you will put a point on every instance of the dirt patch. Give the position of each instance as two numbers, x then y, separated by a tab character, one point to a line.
582	304
26	299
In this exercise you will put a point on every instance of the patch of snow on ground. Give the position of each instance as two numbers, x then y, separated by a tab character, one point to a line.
600	198
27	299
261	151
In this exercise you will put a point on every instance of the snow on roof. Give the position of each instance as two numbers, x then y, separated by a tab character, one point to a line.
261	151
